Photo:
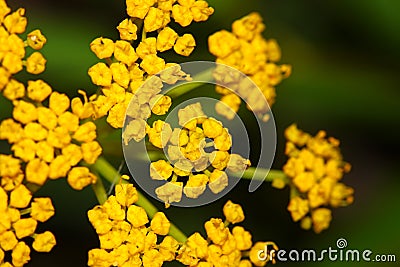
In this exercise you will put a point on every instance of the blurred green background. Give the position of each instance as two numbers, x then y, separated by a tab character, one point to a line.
346	65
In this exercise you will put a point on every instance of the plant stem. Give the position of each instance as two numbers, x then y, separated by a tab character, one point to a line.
100	191
103	167
263	174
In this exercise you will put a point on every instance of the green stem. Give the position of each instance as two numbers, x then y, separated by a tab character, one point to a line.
264	174
198	80
109	173
100	191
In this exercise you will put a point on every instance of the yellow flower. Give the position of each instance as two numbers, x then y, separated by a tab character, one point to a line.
321	219
91	151
146	47
125	53
160	170
16	22
222	43
59	137
47	117
20	254
85	132
160	224
35	63
138	8
120	74
11	130
168	248
69	121
170	192
201	11
80	177
233	212
216	231
298	208
102	47
182	15
195	185
160	104
9	166
126	194
20	197
152	64
24	112
42	209
341	195
25	227
24	149
223	141
35	131
154	19
59	167
12	62
136	216
127	30
218	181
197	245
36	39
242	237
166	39
82	110
44	242
38	90
14	90
185	45
135	129
152	258
304	181
59	103
219	159
37	171
100	74
159	134
248	26
8	240
212	128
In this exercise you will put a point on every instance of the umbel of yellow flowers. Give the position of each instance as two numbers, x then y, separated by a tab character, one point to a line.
129	238
315	168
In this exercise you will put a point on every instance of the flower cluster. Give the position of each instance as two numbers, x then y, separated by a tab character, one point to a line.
47	130
246	50
16	228
224	246
129	62
315	168
127	236
198	154
149	100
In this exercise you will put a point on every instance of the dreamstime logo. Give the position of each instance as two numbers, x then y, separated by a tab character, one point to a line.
340	253
203	73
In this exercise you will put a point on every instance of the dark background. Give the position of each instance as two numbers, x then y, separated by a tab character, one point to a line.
346	64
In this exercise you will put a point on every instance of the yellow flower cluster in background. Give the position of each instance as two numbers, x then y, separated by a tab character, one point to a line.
130	61
186	153
16	226
315	168
224	246
246	50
